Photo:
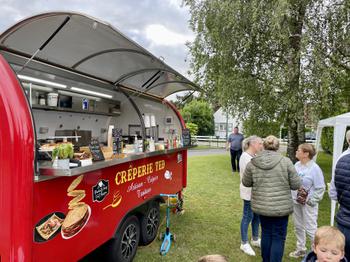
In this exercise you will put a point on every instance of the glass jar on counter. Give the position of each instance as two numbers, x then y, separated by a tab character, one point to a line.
42	100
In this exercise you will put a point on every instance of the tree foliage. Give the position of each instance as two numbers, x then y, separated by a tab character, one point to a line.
193	131
193	128
260	127
272	58
200	113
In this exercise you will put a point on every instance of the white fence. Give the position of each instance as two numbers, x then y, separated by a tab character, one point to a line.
215	141
212	141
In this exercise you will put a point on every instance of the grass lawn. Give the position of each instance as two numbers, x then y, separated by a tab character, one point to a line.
213	210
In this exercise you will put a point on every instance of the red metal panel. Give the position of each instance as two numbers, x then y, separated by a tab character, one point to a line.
184	173
183	124
130	185
16	168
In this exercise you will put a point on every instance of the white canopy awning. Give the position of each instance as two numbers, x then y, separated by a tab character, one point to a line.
88	46
339	123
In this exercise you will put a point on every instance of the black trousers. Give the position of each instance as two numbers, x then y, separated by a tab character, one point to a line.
235	156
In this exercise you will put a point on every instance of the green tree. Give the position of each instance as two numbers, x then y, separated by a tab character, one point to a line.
200	113
261	58
261	126
193	128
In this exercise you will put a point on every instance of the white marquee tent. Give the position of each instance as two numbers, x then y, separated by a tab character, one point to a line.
339	123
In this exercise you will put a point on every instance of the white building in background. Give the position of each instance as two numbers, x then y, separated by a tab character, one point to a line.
224	123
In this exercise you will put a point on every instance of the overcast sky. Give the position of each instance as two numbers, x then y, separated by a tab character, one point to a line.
160	26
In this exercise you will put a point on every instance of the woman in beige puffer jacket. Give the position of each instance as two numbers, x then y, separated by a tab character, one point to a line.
272	177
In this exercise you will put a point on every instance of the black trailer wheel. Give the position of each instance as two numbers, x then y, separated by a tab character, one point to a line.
150	224
123	247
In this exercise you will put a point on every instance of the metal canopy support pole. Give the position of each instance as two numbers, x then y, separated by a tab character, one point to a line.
46	42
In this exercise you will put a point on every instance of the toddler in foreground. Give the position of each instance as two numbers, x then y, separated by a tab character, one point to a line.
328	246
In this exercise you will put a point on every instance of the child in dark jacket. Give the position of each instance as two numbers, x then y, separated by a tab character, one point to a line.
328	246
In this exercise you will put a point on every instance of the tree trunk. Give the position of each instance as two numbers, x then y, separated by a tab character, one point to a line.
295	106
293	140
301	129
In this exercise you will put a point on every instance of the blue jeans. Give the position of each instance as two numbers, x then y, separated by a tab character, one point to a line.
273	237
346	232
249	216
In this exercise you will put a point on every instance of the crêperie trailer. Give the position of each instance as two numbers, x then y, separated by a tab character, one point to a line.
67	78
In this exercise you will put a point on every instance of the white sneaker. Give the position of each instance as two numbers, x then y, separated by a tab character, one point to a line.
246	248
256	243
298	253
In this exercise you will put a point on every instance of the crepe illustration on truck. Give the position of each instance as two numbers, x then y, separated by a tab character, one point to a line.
49	227
79	212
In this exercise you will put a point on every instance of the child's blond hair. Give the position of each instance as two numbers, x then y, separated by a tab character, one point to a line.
328	234
213	258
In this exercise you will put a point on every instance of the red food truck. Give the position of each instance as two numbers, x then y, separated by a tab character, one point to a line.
71	82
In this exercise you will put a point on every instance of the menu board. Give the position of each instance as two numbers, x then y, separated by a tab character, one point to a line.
117	140
186	137
96	151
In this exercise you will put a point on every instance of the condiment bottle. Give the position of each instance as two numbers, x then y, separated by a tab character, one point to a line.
136	144
151	145
167	144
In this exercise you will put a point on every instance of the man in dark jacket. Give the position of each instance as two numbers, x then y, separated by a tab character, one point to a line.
342	186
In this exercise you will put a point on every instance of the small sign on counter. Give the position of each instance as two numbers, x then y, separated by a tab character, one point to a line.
186	137
117	140
96	151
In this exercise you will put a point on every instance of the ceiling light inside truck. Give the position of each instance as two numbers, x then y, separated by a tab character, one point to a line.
41	81
90	92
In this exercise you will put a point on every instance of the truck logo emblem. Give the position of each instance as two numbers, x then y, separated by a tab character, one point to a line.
168	175
100	190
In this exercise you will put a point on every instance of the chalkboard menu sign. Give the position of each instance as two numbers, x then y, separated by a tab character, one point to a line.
96	151
186	137
117	140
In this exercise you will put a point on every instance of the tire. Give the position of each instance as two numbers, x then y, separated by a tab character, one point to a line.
123	248
150	224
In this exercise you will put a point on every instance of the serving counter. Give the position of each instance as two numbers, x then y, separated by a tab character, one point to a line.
47	171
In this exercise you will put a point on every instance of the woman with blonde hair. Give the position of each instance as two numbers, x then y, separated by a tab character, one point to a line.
271	177
306	199
251	146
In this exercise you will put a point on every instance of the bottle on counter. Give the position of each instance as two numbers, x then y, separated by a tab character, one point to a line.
42	100
180	141
136	144
140	143
151	145
174	142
